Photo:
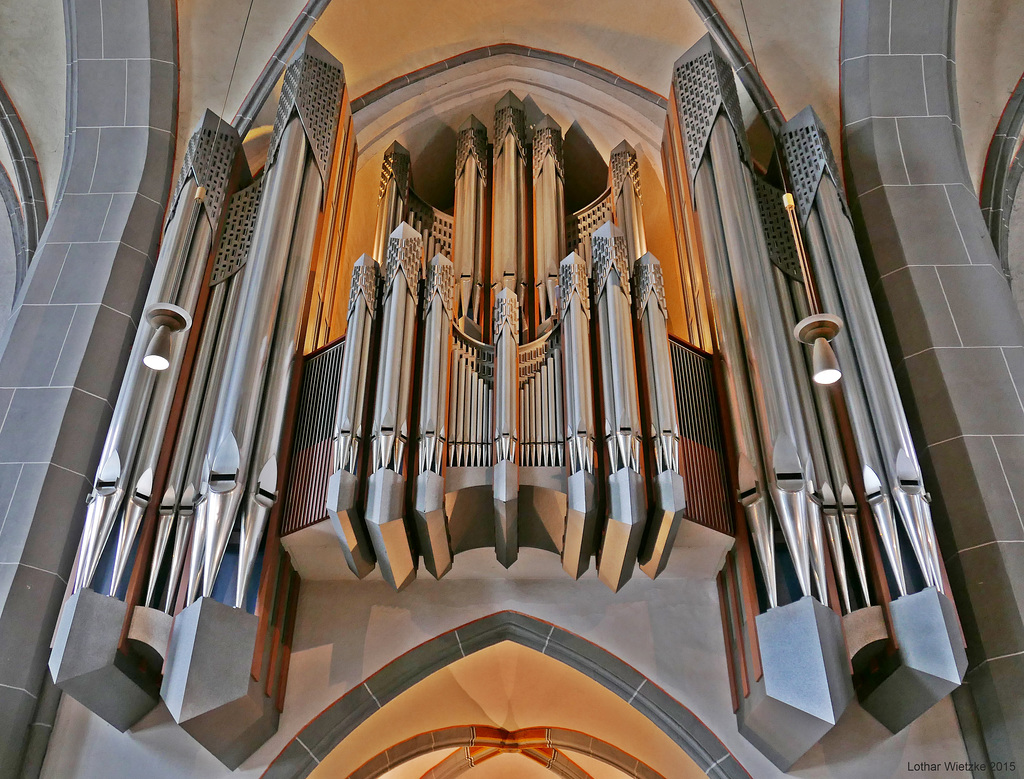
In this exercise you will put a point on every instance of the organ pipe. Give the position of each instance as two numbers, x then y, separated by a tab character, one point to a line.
548	215
469	240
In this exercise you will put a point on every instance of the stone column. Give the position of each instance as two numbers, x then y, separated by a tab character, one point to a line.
62	358
954	334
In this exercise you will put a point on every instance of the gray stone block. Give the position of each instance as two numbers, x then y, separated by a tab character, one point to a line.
126	31
997	322
895	87
86	664
34	346
932	660
863	32
83	165
96	351
81	217
50	544
148	79
919	26
981	392
43	273
79	445
32	424
806	684
921	137
873	151
936	85
917	292
88	29
84	276
102	89
207	684
121	162
16	709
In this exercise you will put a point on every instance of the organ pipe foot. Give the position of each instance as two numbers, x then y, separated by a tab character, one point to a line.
932	659
342	489
208	686
806	685
432	524
85	662
385	522
667	516
580	523
627	512
506	512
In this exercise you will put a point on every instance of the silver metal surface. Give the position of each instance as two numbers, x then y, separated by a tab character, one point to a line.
432	435
386	522
286	346
349	449
393	198
469	240
658	391
548	215
627	498
508	201
505	429
625	187
238	400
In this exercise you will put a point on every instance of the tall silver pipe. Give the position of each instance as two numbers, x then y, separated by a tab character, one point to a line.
234	426
627	495
790	297
625	175
882	395
783	436
264	477
658	390
505	431
468	241
508	222
119	450
432	435
393	197
750	474
876	484
389	532
154	429
349	436
548	215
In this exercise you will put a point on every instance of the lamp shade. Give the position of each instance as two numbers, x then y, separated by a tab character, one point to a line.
158	352
824	365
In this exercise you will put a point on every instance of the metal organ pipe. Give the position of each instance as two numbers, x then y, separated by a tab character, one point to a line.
349	435
548	215
750	478
782	433
508	223
236	416
625	174
152	437
658	389
117	461
627	493
385	505
468	241
263	476
578	398
432	435
505	432
393	200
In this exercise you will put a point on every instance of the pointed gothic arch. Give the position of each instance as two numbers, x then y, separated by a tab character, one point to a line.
328	729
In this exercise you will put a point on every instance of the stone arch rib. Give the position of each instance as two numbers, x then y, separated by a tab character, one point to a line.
27	210
320	736
1002	173
535	742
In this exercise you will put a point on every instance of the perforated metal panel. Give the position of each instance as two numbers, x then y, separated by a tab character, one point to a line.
510	119
209	158
608	254
705	85
777	232
233	249
648	280
625	167
395	166
472	142
440	281
313	88
547	141
808	157
581	225
405	255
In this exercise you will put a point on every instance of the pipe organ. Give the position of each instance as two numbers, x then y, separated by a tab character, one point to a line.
508	378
